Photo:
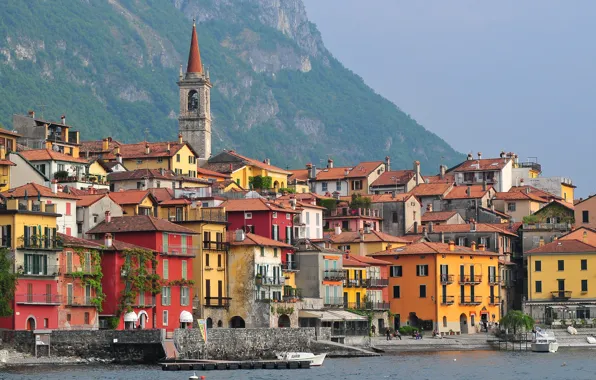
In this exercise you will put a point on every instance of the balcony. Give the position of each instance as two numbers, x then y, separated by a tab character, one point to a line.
221	246
76	269
470	300
372	305
494	300
269	281
334	301
531	165
215	214
447	279
334	275
467	279
292	294
180	250
561	295
80	301
223	302
289	266
353	283
377	282
38	271
447	300
494	280
40	243
38	299
347	212
547	226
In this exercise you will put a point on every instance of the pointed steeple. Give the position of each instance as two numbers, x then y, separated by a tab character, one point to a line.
194	57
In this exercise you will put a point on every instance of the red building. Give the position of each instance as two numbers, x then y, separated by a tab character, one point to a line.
264	218
173	250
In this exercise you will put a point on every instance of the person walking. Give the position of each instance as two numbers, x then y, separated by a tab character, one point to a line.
388	334
373	330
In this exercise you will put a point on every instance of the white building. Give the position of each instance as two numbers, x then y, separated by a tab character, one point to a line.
497	172
92	209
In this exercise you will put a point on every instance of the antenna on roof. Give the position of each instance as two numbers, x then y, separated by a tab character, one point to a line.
42	106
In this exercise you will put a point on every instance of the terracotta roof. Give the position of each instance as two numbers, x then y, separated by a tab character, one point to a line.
88	200
350	262
33	189
447	178
430	189
162	193
78	192
564	246
373	236
480	227
394	177
363	169
257	163
413	238
194	57
252	239
583	232
437	216
385	198
254	204
71	241
211	173
298	174
303	197
578	201
176	201
108	166
7	163
431	248
49	155
519	196
142	174
482	165
156	149
327	174
369	260
563	203
535	191
496	212
130	197
10	133
138	223
461	192
96	146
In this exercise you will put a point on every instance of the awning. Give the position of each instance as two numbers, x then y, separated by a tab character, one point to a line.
131	317
331	315
185	317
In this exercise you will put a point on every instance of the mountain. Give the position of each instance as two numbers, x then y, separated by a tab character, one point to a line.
112	66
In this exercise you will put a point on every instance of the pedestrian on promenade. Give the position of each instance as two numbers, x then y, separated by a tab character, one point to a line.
389	334
397	334
373	329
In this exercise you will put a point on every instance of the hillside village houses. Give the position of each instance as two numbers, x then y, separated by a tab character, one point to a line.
225	236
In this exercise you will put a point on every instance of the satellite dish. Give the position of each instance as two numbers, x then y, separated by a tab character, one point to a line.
55	148
58	129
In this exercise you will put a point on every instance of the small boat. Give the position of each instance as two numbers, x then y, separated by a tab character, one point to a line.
591	339
571	330
315	360
544	341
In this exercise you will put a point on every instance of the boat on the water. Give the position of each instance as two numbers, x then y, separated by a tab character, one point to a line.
591	339
544	341
315	360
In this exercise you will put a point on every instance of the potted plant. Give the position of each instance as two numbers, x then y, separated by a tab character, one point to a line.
259	279
451	332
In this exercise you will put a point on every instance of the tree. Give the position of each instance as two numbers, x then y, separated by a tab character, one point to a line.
358	201
8	283
260	182
517	320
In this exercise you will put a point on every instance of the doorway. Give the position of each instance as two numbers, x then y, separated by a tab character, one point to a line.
30	323
143	319
463	324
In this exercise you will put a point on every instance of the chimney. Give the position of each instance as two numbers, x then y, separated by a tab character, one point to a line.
541	242
337	230
168	147
54	186
521	182
108	217
2	152
330	164
387	163
117	149
105	145
63	118
119	158
293	203
393	194
481	247
429	207
430	227
346	172
469	191
473	246
361	234
147	149
180	141
480	155
415	227
239	235
442	170
470	157
472	225
313	172
502	155
31	114
417	172
108	240
161	171
451	245
268	161
585	237
484	185
367	228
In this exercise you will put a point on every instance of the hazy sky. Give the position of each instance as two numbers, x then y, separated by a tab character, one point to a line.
486	76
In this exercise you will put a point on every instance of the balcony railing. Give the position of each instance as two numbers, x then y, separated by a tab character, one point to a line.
38	299
334	275
447	279
531	165
270	280
207	214
494	280
547	226
377	282
494	300
215	245
217	302
40	243
68	271
180	250
289	266
78	301
467	279
447	300
370	305
333	301
353	283
561	295
469	300
292	294
341	212
38	271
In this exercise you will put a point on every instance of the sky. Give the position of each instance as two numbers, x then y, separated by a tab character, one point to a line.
510	75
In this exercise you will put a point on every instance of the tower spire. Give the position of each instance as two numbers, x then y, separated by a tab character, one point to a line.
194	56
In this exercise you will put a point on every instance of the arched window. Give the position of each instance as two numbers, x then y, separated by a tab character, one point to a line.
444	321
193	101
209	323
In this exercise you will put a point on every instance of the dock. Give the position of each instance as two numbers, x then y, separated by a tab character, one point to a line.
221	365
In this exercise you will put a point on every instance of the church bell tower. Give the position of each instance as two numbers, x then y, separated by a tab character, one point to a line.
194	121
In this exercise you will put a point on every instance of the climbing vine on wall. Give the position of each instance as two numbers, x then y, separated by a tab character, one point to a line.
139	269
181	282
91	277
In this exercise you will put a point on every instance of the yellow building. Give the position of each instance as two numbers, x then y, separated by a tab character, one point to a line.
43	134
560	278
136	202
366	242
354	283
98	171
443	287
242	169
8	143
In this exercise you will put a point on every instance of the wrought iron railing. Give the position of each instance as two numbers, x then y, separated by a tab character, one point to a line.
334	275
467	279
217	302
38	299
470	300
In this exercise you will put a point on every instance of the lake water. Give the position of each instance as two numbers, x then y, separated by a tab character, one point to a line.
485	365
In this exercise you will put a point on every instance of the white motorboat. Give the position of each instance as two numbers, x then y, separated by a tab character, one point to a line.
315	360
545	341
591	339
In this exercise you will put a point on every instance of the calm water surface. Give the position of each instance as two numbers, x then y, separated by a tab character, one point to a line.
485	365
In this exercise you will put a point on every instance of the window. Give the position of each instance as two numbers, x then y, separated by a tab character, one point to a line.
139	162
275	232
318	219
248	215
68	318
166	269
165	318
338	185
46	322
87	294
510	206
444	321
357	184
462	241
178	157
60	167
184	296
288	217
274	252
164	242
561	264
537	266
394	217
584	264
396	271
274	215
584	286
538	286
86	318
141	298
324	186
184	269
207	260
206	239
68	209
396	291
422	291
262	251
159	160
166	296
307	218
219	263
422	270
585	216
